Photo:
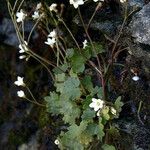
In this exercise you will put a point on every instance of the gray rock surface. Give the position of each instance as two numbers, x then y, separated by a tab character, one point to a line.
8	33
140	25
136	3
104	20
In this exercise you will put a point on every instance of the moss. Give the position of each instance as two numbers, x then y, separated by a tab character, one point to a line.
16	139
43	118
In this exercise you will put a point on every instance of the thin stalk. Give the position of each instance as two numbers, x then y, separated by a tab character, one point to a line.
33	28
15	5
70	33
13	18
94	13
23	29
59	52
34	102
43	65
30	93
20	5
98	61
99	69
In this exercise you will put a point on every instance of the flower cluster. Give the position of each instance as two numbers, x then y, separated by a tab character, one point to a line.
23	49
37	14
98	105
20	82
76	3
51	40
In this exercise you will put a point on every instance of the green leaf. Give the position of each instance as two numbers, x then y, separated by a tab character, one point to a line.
93	129
70	144
87	83
98	49
118	106
60	77
96	129
87	101
100	93
105	113
97	90
108	147
69	52
86	53
77	62
101	133
72	74
69	88
75	131
53	104
61	69
85	138
88	115
113	132
70	112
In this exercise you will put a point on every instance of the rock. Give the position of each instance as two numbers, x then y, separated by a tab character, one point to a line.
8	33
140	25
104	21
139	135
136	3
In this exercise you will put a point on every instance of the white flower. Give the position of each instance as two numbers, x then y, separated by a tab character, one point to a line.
135	78
21	16
113	110
53	7
96	104
50	41
123	1
22	56
23	47
39	5
21	94
56	142
84	44
53	34
35	15
19	81
76	3
95	0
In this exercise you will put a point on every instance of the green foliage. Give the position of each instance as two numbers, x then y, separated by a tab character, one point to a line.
88	115
105	114
69	88
73	94
118	105
67	100
108	147
77	62
87	83
98	49
78	58
85	119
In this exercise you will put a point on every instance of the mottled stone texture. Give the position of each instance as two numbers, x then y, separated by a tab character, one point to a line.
140	25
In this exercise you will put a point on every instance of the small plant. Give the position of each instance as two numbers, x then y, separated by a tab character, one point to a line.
83	104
